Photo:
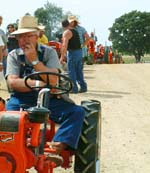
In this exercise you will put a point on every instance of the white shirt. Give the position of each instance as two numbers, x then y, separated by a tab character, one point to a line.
1	41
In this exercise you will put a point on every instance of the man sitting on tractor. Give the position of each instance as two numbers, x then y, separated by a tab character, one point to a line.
31	57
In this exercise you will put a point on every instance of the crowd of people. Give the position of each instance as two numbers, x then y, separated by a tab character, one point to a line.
105	54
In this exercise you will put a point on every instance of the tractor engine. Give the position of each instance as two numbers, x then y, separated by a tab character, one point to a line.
17	142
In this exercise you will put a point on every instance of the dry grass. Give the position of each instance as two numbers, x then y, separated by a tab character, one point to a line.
128	59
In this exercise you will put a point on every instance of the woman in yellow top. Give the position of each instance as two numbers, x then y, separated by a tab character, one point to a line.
42	37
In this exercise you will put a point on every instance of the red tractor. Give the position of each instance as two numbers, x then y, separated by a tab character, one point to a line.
56	45
24	135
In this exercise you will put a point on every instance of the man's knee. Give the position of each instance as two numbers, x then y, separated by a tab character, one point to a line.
80	112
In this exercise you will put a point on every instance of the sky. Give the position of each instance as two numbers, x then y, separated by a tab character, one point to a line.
95	15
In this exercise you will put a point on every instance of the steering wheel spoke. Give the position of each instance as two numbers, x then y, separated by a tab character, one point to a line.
64	84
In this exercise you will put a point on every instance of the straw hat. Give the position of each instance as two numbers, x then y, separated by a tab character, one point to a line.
72	19
27	24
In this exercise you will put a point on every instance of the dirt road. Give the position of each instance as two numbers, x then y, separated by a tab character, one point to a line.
124	92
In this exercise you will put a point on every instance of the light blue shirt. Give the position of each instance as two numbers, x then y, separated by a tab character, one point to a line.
82	31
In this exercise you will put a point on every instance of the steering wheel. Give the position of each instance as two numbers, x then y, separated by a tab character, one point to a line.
64	85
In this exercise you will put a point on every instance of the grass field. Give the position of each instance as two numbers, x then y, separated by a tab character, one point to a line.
130	59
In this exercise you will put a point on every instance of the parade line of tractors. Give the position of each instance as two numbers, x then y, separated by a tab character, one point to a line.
94	54
101	54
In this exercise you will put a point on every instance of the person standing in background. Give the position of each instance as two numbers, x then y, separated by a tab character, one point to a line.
42	37
110	56
93	36
91	50
12	41
1	53
71	47
4	51
83	34
3	35
1	58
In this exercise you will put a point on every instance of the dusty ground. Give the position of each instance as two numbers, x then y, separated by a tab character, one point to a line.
124	92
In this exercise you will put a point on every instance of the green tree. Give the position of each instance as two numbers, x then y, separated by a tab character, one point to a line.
130	33
50	16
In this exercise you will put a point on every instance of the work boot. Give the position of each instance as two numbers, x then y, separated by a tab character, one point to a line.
83	90
57	146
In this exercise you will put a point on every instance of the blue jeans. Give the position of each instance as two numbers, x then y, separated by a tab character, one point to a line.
4	65
68	115
75	69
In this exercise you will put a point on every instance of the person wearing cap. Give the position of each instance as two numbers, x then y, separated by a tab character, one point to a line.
83	34
71	44
42	37
32	56
12	41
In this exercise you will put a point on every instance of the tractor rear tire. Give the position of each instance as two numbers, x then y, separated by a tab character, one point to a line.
87	156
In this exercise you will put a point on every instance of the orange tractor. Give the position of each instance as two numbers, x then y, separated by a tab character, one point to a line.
56	45
24	134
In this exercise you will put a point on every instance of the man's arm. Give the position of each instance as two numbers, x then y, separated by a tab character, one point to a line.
18	84
87	38
65	39
1	53
12	74
31	55
1	56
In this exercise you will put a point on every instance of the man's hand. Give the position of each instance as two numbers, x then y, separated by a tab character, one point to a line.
62	60
1	67
5	53
30	52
